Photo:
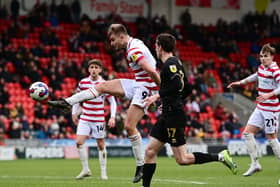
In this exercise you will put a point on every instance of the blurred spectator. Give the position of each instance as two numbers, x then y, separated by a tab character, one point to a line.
2	137
20	110
4	95
209	80
220	112
204	102
196	128
84	35
53	8
89	47
41	129
186	19
231	128
76	11
48	37
274	23
195	104
2	131
15	128
54	20
4	110
252	61
38	110
145	126
54	127
33	71
2	126
3	12
114	18
25	123
63	13
14	8
208	131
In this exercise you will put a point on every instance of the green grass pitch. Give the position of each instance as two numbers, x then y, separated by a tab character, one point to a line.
61	173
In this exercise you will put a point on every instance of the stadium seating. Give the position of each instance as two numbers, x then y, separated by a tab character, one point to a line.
189	51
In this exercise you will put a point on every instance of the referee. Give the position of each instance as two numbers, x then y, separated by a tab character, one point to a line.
171	124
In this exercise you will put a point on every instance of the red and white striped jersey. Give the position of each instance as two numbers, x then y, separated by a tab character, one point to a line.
93	110
268	80
137	50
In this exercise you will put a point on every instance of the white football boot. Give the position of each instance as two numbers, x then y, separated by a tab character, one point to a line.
254	167
83	174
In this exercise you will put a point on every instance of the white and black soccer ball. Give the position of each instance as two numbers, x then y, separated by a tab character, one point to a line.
39	91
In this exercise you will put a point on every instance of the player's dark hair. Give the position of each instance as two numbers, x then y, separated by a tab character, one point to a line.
117	29
166	41
96	62
267	48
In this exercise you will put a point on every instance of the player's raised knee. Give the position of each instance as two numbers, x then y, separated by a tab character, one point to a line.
150	152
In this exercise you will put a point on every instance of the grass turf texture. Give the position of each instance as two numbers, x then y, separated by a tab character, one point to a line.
61	173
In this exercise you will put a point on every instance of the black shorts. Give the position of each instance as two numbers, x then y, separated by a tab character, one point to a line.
164	133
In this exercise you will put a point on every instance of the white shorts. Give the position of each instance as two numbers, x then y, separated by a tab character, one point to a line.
135	92
97	130
265	120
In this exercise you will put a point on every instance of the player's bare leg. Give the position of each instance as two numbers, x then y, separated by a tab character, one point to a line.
251	145
150	160
134	115
102	155
112	87
181	157
83	157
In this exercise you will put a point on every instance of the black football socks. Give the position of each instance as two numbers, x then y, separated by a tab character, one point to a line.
201	158
148	172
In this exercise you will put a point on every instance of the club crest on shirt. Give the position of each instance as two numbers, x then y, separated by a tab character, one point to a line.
134	57
173	68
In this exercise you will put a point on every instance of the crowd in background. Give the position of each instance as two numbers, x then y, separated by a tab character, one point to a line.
23	65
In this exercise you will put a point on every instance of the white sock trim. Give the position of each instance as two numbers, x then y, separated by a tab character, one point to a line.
102	155
220	157
82	149
251	145
136	142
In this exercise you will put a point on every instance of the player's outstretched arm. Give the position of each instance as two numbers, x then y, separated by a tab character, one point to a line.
235	83
250	78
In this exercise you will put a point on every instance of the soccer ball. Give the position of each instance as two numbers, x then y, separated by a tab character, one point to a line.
38	91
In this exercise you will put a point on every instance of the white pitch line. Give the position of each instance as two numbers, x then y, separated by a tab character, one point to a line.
33	177
157	180
179	181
